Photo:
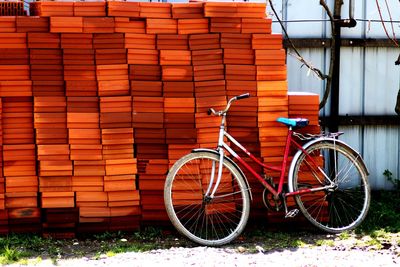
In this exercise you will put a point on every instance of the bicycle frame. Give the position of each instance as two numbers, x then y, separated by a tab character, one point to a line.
222	146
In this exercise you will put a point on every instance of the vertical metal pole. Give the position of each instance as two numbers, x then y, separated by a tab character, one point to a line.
334	123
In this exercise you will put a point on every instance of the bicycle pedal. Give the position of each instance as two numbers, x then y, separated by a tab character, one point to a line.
291	213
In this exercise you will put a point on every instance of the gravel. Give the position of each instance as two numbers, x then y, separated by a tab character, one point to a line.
206	256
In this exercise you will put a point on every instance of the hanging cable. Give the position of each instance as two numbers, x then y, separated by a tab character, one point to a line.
391	22
318	72
384	26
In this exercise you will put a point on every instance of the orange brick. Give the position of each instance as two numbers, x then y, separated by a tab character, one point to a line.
58	200
193	26
50	9
13	40
155	10
175	57
32	24
113	88
143	56
66	24
7	24
187	10
98	25
123	9
140	41
126	25
121	167
116	104
161	26
89	9
172	42
177	73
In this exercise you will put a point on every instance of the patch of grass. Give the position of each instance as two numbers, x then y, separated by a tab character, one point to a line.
269	240
20	247
10	255
344	235
325	242
384	210
383	214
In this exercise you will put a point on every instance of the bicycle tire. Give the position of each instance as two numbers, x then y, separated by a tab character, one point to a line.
338	209
211	223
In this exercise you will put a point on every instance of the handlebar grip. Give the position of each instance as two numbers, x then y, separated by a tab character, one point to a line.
209	111
246	95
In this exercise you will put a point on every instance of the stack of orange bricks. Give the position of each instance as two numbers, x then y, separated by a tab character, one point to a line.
99	99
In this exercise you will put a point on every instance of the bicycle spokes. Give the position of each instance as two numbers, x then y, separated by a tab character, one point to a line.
208	219
338	202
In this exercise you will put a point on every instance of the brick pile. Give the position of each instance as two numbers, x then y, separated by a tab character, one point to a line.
99	99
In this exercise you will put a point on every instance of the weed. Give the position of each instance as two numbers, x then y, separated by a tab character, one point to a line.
108	235
23	262
344	235
374	243
325	242
389	176
110	253
298	243
384	213
10	255
148	233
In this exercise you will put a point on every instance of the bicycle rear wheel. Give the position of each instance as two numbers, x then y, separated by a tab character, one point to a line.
345	204
207	221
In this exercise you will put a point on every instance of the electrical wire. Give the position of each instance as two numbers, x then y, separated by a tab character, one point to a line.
383	24
318	72
391	22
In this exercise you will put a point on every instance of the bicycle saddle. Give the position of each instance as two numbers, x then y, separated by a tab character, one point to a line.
294	123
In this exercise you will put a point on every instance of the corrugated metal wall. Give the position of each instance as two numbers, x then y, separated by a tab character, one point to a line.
369	80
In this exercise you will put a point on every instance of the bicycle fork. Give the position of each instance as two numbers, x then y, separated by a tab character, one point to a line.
208	195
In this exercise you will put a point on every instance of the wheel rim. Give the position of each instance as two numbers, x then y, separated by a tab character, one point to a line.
207	221
344	205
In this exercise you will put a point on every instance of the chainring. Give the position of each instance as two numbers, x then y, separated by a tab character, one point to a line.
271	202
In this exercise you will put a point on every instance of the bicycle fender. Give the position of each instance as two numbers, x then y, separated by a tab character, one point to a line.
322	139
196	150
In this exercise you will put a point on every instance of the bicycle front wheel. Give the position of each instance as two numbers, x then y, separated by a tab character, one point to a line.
344	202
208	221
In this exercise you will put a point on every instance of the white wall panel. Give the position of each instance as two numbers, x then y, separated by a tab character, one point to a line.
351	94
305	10
382	80
381	152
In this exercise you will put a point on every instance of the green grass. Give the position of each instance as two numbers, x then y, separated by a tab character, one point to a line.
383	214
21	247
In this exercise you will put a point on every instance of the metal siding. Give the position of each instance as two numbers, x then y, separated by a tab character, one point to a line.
305	9
369	81
381	152
381	80
351	97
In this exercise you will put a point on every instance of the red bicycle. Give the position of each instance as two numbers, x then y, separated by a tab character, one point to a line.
207	196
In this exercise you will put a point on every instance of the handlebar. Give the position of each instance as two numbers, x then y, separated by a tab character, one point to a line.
223	112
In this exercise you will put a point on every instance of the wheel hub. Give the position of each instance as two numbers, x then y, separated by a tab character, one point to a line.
207	199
